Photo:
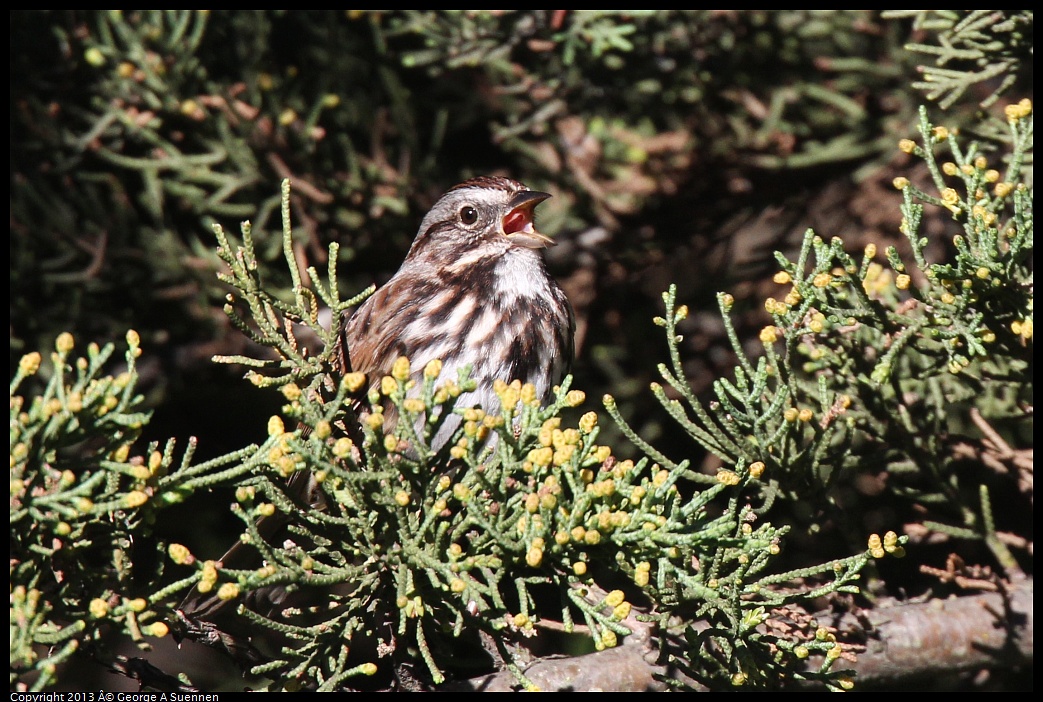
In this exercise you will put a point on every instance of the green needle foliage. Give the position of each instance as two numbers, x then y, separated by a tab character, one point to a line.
83	508
408	563
521	518
990	48
403	553
864	371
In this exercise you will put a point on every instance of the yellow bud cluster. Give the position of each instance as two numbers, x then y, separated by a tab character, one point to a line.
473	414
609	520
287	117
342	447
822	280
600	454
433	369
602	488
353	382
400	369
1019	111
637	494
508	394
622	468
727	477
134	499
641	573
276	426
588	421
137	605
823	634
98	608
575	398
876	547
987	217
877	279
414	405
614	598
1022	328
541	456
29	363
64	343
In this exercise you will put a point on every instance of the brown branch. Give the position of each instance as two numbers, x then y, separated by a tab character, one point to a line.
904	642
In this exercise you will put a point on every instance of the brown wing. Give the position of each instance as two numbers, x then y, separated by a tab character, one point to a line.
372	338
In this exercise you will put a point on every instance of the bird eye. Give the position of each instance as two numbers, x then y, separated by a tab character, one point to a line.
468	215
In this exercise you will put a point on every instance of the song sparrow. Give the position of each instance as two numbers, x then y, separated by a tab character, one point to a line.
472	291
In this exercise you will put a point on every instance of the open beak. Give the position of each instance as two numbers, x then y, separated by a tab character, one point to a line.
517	223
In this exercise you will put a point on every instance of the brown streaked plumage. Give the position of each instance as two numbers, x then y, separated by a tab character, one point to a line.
473	290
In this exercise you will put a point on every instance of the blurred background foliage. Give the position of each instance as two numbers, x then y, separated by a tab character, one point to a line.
681	147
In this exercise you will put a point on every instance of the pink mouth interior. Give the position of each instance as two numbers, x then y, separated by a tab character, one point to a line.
516	221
